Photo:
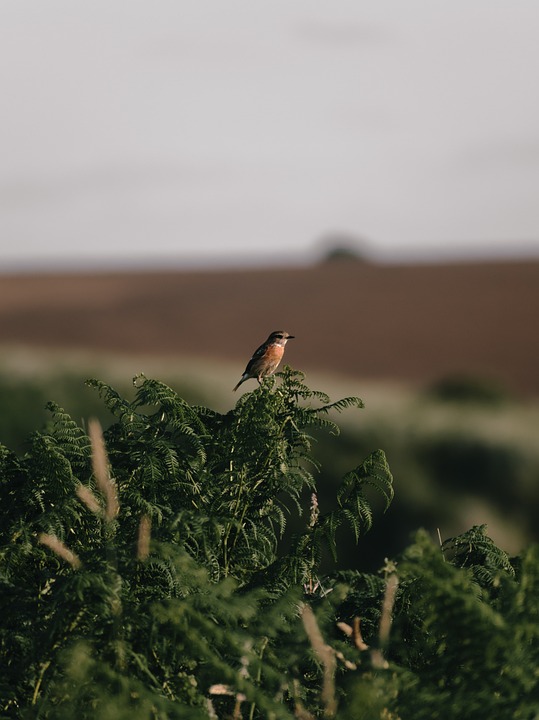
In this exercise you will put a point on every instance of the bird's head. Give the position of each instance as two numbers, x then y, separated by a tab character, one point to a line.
279	337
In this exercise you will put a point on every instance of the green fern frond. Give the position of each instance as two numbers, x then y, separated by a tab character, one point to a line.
373	471
342	404
112	399
474	549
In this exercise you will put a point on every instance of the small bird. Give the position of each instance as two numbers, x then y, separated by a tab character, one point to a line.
266	358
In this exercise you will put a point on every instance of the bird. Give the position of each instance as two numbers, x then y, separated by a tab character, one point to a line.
266	358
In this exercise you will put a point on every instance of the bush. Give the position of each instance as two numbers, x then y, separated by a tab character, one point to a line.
143	575
468	389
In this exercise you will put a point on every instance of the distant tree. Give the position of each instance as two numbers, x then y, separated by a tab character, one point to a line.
343	247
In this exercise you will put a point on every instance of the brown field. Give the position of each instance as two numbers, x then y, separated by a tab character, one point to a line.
406	323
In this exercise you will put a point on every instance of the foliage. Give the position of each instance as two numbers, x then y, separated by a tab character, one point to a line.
458	462
96	604
468	389
464	636
144	573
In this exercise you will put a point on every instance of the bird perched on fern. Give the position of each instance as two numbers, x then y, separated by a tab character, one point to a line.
266	358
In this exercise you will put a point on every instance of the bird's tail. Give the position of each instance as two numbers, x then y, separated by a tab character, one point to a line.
242	380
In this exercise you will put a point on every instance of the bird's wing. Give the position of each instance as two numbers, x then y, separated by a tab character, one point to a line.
258	353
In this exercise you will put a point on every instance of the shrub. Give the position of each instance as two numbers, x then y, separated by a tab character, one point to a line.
99	611
469	389
143	575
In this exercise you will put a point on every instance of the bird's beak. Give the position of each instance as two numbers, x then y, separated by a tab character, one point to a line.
290	337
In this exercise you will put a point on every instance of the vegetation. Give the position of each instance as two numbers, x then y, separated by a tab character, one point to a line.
461	458
146	572
468	389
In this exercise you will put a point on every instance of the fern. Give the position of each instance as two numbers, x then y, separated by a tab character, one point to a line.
188	602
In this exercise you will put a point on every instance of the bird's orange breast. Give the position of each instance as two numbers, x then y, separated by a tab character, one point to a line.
274	353
267	363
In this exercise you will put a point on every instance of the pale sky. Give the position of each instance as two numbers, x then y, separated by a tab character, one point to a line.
172	132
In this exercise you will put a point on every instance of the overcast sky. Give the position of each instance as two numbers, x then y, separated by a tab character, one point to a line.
178	132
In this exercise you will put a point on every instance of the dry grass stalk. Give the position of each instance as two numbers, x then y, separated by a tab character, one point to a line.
387	608
441	542
211	710
346	629
354	633
378	660
388	602
221	689
100	465
144	536
58	547
326	655
315	510
237	708
86	496
358	637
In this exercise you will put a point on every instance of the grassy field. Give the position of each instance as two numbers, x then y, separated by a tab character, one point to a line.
412	324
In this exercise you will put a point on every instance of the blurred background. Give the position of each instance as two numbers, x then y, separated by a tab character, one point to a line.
179	179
